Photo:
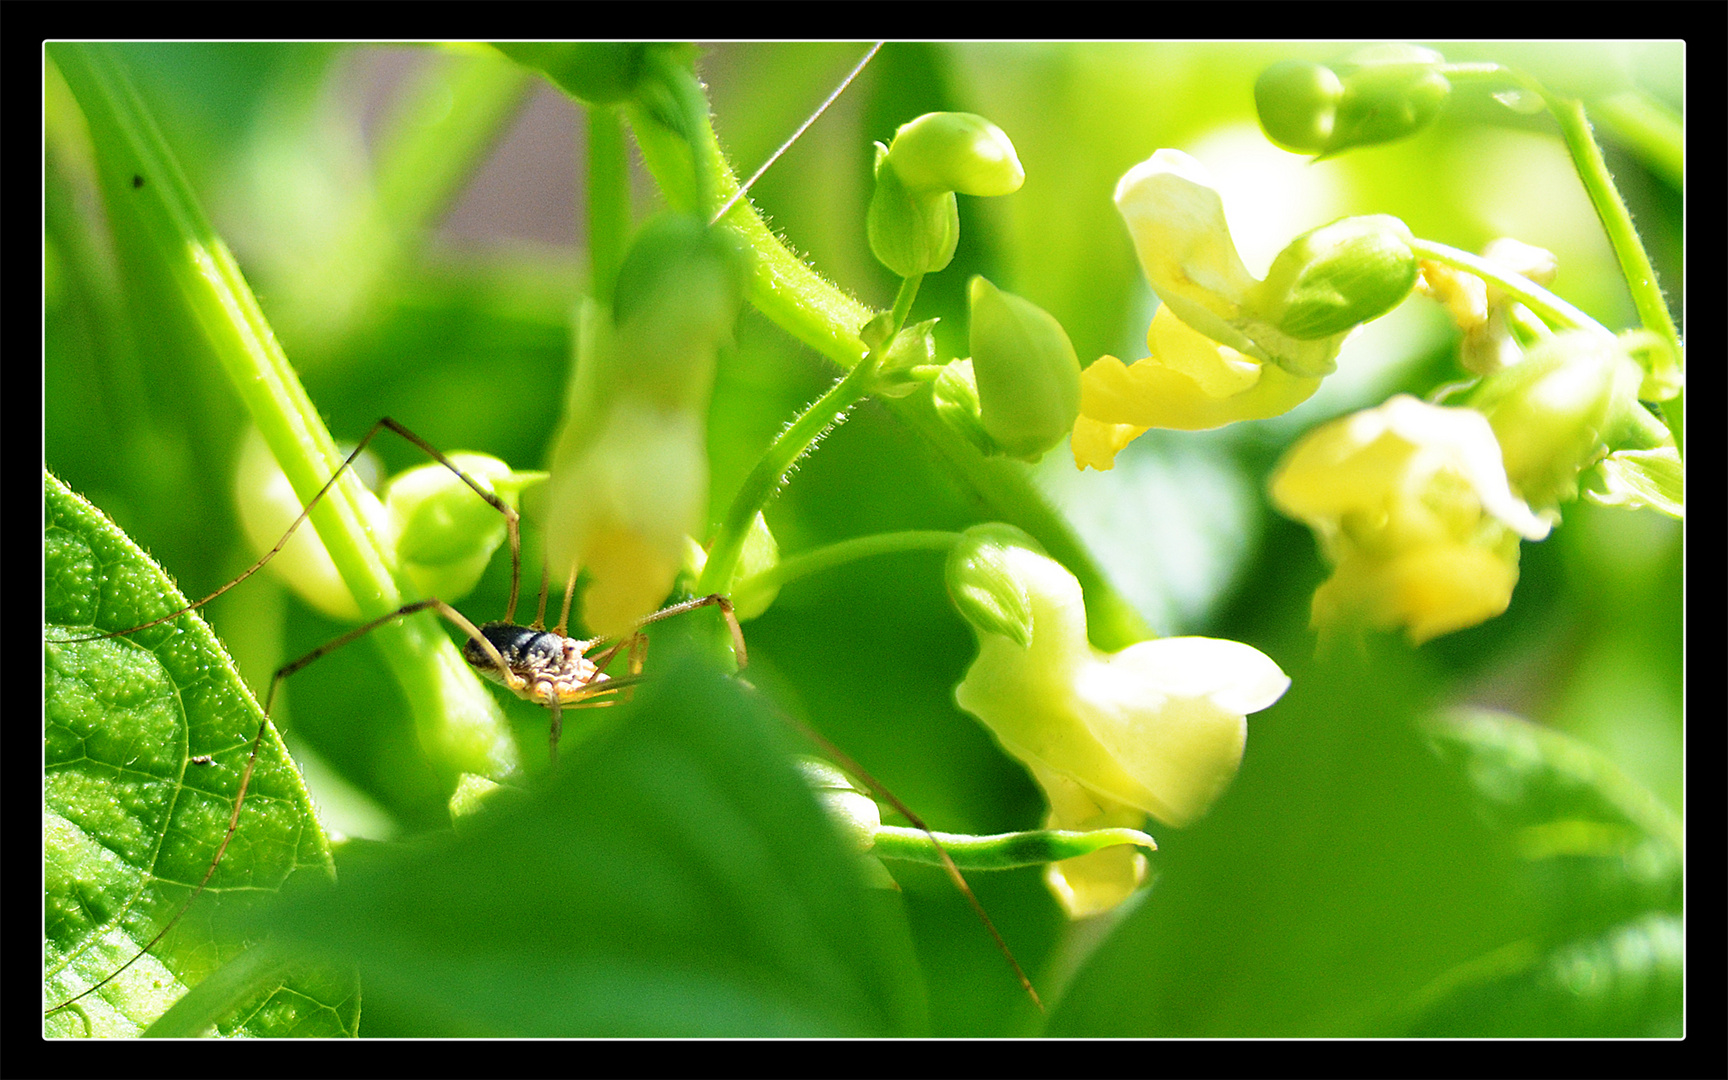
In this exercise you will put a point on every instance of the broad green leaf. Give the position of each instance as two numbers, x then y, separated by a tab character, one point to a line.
1342	873
1604	861
676	878
132	811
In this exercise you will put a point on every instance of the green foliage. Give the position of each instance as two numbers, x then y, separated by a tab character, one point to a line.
676	878
146	738
672	878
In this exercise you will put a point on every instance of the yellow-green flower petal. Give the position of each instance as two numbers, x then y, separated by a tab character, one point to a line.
1159	726
1189	383
1411	504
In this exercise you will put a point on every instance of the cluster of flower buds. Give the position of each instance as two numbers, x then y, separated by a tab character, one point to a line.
1225	346
913	220
1377	94
1157	728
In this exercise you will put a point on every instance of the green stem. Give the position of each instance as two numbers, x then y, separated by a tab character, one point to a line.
1004	851
814	561
770	472
458	720
1616	220
608	200
1527	292
903	302
1628	247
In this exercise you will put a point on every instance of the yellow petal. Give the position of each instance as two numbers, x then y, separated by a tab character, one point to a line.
1096	443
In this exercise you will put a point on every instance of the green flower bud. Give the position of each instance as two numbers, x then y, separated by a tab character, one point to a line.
1556	412
1298	104
911	232
909	360
1334	278
955	396
445	533
982	582
678	294
268	504
1028	375
955	151
1390	91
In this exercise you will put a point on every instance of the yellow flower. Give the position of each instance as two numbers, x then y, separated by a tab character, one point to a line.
1411	505
1157	728
1189	383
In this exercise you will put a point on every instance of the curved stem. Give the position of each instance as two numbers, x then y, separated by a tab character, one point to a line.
770	472
1611	210
1616	221
806	563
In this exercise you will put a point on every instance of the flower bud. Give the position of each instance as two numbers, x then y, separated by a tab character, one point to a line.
1390	91
1297	101
955	396
268	505
446	534
982	584
955	151
911	232
622	504
855	812
1411	505
678	294
1158	727
630	464
1555	411
1028	376
1332	279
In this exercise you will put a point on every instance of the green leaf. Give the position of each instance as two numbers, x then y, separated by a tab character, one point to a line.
133	814
1340	874
676	878
1604	861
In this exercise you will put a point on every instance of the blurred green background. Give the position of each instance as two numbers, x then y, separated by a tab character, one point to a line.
1352	882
